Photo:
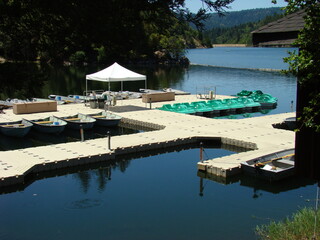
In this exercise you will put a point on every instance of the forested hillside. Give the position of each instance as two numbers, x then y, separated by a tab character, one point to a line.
240	34
231	19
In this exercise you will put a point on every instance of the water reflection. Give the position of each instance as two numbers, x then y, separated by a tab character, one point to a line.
28	80
21	80
123	202
257	185
99	174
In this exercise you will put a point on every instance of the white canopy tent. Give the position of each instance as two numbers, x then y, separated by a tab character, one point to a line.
115	73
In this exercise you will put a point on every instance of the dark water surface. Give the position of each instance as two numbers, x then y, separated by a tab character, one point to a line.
150	197
155	197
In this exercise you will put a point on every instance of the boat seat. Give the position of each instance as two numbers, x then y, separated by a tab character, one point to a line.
44	122
14	125
286	161
99	116
72	119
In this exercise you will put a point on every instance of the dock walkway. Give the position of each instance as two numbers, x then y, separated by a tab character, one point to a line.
256	134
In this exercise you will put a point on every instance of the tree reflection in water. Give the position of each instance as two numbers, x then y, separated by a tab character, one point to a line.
29	80
100	175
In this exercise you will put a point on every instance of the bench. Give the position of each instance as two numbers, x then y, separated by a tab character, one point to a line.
157	97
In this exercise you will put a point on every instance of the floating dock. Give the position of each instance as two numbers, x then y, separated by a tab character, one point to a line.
171	129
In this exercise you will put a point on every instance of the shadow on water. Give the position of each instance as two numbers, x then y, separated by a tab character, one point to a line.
101	172
257	185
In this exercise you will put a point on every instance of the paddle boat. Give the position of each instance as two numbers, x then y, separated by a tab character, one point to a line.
106	119
183	108
16	129
201	107
249	104
272	167
50	124
79	121
265	100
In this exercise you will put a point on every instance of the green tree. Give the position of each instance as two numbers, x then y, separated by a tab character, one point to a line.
305	65
115	30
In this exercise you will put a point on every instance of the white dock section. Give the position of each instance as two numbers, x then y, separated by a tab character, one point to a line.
175	129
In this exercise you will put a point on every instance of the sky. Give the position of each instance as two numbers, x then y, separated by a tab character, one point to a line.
238	5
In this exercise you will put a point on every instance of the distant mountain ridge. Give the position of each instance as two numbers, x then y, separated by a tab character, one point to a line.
232	19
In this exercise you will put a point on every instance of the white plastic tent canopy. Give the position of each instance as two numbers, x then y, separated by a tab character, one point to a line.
115	73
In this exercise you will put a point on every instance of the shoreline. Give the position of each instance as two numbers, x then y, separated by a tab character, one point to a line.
230	45
253	69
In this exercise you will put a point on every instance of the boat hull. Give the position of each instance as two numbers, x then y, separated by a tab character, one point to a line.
51	125
106	119
15	129
79	121
272	167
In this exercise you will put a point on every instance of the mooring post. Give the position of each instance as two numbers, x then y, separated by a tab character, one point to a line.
201	151
109	140
81	133
150	101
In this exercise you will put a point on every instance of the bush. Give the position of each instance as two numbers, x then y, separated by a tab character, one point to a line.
78	57
299	227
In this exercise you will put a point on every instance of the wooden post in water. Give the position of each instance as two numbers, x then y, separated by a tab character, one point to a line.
109	140
81	133
201	152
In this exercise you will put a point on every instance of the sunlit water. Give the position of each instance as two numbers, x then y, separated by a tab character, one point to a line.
249	57
161	196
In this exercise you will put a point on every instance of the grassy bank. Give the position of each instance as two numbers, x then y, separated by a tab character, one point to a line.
300	226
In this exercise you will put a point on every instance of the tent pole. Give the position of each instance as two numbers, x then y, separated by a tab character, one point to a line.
86	88
121	86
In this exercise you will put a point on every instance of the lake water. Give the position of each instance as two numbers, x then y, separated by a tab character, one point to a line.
249	57
151	197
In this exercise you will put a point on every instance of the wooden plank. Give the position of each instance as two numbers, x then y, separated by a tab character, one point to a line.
13	125
72	119
43	122
278	158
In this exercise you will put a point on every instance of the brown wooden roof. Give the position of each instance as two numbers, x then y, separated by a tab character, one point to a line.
291	23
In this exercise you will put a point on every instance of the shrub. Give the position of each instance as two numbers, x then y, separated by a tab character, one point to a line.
299	227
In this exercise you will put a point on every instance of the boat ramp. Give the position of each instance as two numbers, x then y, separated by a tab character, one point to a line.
256	135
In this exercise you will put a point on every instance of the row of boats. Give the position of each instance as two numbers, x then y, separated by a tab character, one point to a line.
265	99
55	125
247	101
94	95
215	106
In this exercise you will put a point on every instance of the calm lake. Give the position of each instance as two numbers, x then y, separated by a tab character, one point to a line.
152	196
